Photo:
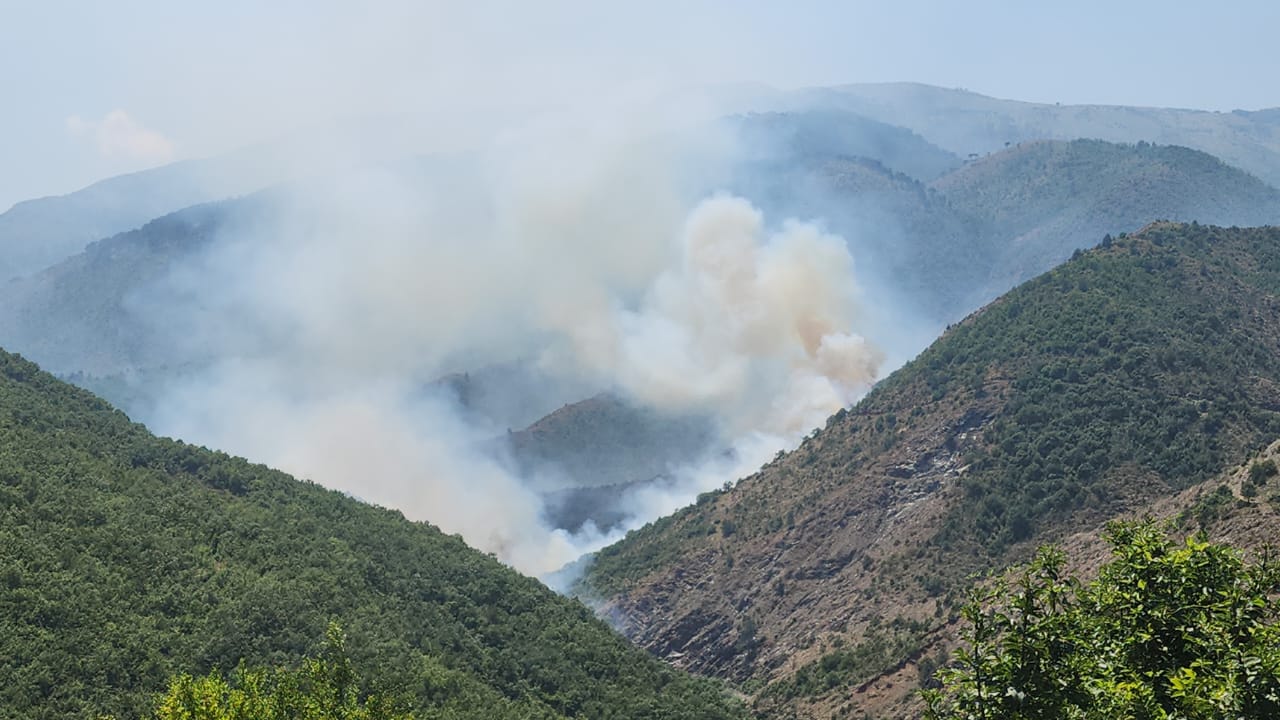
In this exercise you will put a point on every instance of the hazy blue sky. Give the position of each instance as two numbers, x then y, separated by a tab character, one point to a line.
94	89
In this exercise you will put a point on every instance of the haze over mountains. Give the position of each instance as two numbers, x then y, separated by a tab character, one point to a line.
562	334
967	123
203	316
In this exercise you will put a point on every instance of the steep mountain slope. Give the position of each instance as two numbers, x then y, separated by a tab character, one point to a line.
131	301
1040	201
1134	370
967	123
1240	508
125	558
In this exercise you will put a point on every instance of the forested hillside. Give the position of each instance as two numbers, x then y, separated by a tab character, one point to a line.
1134	370
1039	201
129	558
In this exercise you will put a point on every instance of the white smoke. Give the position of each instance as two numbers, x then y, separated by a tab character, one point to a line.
118	135
758	329
589	255
375	443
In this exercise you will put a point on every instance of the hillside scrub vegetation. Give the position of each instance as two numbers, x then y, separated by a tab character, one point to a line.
129	559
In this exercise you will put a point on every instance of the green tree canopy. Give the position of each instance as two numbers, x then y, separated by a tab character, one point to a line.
1168	630
323	688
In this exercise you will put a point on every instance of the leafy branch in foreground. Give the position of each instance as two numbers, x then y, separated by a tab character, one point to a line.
1168	630
324	688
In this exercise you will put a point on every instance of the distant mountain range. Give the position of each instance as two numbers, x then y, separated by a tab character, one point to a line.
971	125
36	234
77	317
948	245
945	247
920	130
1034	199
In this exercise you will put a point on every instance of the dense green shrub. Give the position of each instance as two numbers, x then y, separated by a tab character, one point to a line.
1167	630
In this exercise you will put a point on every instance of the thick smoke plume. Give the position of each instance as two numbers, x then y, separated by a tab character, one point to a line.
604	262
757	328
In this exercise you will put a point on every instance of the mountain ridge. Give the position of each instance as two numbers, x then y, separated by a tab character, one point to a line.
971	124
860	542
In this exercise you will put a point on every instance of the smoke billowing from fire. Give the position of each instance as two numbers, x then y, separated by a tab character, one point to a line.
606	261
757	328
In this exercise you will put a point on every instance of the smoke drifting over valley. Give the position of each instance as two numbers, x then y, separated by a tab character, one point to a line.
758	329
319	335
539	276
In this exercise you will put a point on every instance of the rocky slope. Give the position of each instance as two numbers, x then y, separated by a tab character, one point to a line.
1130	373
